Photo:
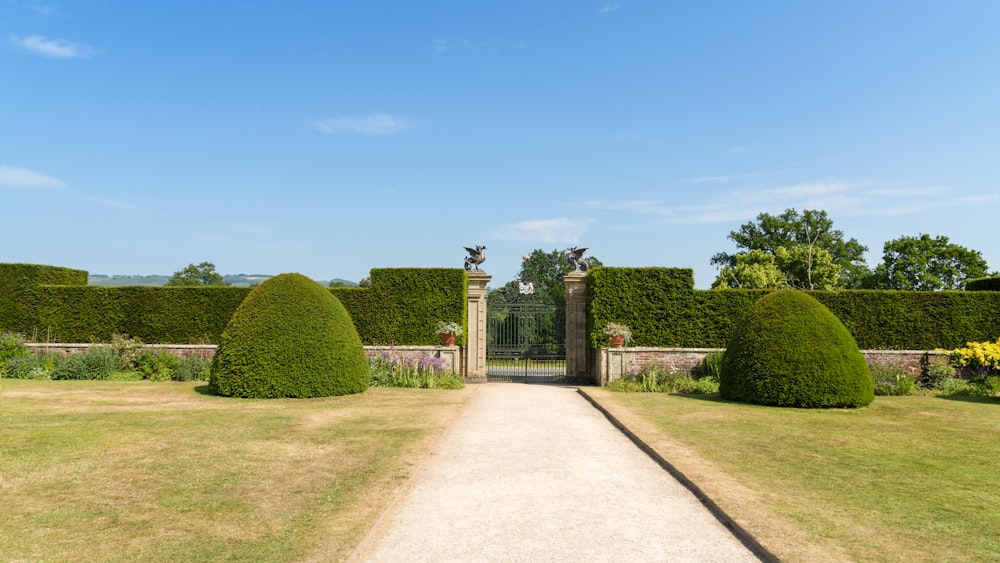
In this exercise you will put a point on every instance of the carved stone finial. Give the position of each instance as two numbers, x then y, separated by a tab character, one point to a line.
577	260
476	257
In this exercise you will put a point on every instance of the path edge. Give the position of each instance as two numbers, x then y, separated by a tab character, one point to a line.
369	540
741	533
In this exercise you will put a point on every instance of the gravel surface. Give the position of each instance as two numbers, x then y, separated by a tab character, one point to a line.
535	473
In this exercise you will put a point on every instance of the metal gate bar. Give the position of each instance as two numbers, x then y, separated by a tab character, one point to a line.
523	343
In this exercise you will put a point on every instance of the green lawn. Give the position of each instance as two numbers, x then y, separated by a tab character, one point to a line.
905	479
116	471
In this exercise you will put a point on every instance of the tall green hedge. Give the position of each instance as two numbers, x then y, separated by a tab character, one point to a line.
662	308
983	284
402	306
19	288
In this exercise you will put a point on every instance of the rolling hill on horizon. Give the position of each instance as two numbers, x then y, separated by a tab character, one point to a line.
236	280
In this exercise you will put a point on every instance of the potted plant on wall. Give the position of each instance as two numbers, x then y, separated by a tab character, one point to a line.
618	334
448	332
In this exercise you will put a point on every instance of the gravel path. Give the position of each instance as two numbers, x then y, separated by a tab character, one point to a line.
535	473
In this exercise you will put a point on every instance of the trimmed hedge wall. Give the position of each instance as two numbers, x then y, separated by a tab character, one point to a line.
402	306
663	310
983	284
19	288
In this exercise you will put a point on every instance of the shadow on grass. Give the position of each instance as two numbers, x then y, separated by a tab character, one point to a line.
711	398
971	399
204	390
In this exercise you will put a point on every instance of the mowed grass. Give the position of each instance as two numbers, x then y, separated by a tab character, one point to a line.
905	479
128	471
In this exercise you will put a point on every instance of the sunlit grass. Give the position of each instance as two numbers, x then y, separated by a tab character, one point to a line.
162	471
908	478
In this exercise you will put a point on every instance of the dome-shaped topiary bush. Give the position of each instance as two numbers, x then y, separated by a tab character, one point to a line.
791	351
290	337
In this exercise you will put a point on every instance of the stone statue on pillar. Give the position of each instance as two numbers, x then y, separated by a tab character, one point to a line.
476	257
577	260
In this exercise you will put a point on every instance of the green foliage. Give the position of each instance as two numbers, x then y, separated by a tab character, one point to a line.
25	367
808	267
98	362
938	376
128	350
545	272
392	370
812	229
12	346
19	287
891	379
192	369
662	309
983	284
801	267
988	386
156	365
756	269
926	264
194	275
790	350
658	379
289	338
401	303
398	306
656	303
711	365
153	314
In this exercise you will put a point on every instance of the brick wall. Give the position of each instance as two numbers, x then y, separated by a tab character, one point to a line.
613	362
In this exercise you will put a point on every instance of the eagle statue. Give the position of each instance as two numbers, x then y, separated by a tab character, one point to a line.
576	259
476	257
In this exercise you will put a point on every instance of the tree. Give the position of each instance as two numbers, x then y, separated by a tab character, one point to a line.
202	274
806	267
802	236
800	268
927	264
753	270
544	271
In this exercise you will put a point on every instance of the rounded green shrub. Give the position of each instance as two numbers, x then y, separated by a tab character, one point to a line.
290	337
791	351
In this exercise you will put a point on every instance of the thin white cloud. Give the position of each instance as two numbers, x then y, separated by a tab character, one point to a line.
22	178
608	7
116	203
726	179
42	9
445	45
544	231
841	198
251	228
376	124
53	48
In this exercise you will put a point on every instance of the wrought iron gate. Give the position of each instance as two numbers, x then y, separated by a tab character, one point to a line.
525	342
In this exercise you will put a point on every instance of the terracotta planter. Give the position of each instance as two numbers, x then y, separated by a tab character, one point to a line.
448	339
617	340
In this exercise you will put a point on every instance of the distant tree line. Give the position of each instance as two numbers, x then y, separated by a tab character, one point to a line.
804	251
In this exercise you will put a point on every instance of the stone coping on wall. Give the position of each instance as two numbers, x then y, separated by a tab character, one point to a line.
614	362
452	355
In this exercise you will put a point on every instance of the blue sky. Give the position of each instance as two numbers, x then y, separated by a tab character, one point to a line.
328	138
